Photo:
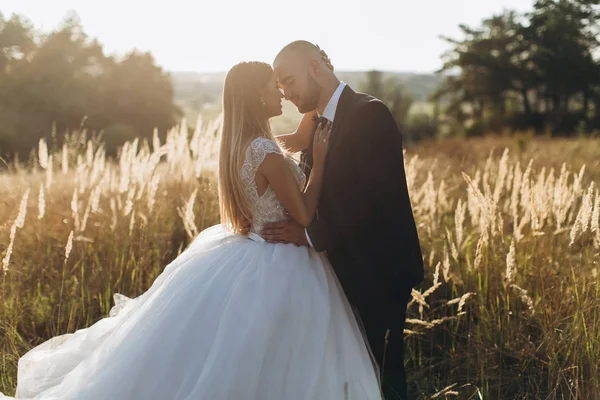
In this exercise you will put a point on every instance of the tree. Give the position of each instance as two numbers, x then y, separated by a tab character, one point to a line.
139	94
391	92
537	67
63	78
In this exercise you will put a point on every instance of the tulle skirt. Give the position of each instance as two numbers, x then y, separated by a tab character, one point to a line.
230	318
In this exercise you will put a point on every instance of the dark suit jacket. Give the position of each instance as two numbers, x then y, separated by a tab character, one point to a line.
364	219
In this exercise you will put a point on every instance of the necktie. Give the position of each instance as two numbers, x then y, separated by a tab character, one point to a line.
320	120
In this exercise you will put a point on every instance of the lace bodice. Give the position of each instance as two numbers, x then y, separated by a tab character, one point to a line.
266	208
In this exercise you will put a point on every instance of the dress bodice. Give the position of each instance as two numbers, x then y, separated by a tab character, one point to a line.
265	208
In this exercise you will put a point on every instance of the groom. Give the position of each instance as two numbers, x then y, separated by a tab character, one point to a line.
364	220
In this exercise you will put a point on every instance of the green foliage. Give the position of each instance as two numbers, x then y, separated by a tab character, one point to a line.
64	78
535	70
420	126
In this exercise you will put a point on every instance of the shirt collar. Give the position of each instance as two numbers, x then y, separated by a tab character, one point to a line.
331	107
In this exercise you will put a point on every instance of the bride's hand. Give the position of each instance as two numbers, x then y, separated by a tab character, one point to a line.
321	143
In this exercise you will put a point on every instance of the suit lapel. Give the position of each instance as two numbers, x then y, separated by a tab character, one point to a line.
339	121
341	111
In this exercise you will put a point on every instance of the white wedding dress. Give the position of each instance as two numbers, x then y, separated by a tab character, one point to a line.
230	318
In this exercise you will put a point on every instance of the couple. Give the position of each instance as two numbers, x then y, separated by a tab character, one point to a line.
310	304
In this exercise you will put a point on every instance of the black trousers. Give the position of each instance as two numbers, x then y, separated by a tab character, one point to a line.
385	335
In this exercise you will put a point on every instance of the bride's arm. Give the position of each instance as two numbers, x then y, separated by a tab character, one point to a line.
299	140
301	206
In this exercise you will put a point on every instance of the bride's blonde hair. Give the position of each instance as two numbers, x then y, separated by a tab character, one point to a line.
244	119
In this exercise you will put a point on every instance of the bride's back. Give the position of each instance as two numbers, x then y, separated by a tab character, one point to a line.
266	207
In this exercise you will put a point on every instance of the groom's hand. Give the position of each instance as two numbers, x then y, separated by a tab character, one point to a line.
285	232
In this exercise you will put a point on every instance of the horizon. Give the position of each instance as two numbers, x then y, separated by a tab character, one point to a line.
211	38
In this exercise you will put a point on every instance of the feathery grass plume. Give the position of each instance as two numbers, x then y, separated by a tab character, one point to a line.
140	191
152	189
20	221
144	219
473	202
113	209
125	167
83	175
129	202
479	202
187	215
460	300
431	290
447	391
41	202
9	250
89	154
502	172
515	200
442	198
65	159
595	224
86	213
196	140
411	170
453	248
511	263
544	200
98	166
50	172
428	203
487	172
459	221
43	153
446	265
582	222
577	184
75	209
431	256
463	301
436	274
132	223
420	300
415	321
119	203
561	200
525	299
483	241
440	321
526	200
69	247
95	199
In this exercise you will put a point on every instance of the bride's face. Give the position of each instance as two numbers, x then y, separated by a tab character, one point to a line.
271	98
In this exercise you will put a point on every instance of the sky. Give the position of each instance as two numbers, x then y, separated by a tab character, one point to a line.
209	36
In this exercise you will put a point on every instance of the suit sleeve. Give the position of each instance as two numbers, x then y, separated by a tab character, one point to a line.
372	155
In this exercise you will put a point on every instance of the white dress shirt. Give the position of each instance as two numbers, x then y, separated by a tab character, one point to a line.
329	113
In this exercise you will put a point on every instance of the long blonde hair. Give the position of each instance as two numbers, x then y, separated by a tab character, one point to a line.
244	119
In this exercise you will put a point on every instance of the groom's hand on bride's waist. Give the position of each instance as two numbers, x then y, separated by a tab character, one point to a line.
285	232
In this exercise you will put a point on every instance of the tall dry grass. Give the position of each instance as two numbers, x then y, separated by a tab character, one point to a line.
510	234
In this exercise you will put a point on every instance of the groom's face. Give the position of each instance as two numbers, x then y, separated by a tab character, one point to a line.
298	85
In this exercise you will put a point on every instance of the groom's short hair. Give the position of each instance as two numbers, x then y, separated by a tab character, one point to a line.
301	48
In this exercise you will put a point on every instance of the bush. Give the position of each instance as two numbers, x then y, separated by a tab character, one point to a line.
420	126
116	135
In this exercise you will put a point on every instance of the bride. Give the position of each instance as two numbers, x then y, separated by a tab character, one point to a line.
233	317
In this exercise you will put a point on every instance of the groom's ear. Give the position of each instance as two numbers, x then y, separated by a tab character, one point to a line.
314	67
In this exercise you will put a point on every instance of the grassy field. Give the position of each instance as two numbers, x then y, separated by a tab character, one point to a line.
510	308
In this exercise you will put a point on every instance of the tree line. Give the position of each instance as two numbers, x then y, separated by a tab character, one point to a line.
57	82
535	70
